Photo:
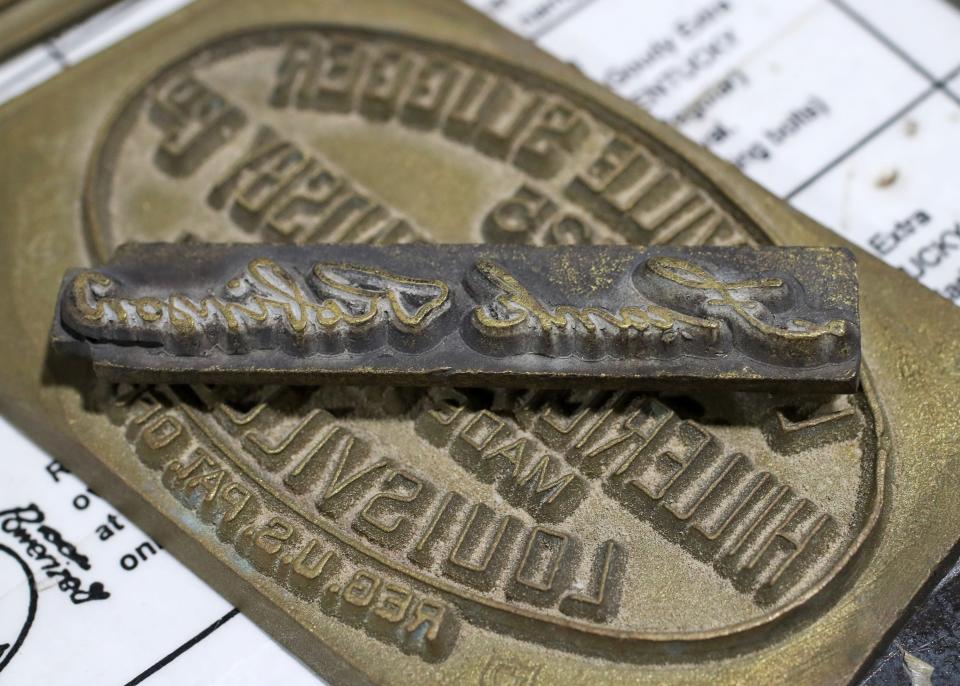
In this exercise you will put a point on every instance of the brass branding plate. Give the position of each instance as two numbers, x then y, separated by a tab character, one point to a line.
23	22
460	535
406	514
668	318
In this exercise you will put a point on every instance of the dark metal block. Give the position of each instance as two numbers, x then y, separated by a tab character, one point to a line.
657	318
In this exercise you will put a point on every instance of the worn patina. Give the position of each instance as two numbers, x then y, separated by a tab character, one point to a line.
24	22
465	535
656	318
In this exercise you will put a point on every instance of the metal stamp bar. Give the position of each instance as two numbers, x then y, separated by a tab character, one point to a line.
657	318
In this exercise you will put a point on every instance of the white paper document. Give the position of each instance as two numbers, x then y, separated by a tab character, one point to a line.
88	598
848	109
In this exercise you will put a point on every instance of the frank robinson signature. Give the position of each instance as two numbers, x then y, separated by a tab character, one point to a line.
268	302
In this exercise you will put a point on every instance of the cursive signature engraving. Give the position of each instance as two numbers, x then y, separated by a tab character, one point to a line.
660	307
515	308
357	297
694	276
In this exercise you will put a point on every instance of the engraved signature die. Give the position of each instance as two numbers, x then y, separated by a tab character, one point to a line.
471	310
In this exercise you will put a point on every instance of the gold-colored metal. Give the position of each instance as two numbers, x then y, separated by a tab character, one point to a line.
23	22
463	536
652	318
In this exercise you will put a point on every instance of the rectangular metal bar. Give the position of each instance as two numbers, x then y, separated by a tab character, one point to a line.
501	315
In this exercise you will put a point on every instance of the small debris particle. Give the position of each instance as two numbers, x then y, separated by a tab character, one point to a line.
910	127
919	672
887	178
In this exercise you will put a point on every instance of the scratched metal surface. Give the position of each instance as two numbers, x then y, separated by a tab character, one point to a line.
90	174
660	317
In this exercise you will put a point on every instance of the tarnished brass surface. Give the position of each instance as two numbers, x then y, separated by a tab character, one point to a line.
611	316
721	538
23	22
